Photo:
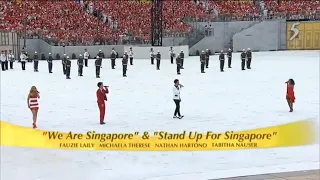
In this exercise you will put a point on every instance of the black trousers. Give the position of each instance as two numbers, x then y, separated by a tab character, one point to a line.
182	61
35	65
124	70
6	65
98	71
171	58
177	110
202	66
11	64
3	66
243	63
80	70
131	60
249	63
23	65
229	62
178	68
86	62
68	70
113	63
64	68
50	67
221	65
152	60
207	63
158	64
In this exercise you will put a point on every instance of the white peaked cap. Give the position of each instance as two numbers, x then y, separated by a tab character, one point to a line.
248	48
80	54
67	57
99	49
181	50
49	53
229	49
125	52
158	50
202	50
207	49
64	54
244	50
221	50
35	52
97	56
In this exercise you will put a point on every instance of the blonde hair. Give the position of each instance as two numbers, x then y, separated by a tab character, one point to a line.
33	91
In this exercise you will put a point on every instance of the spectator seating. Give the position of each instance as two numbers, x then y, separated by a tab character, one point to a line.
69	22
293	9
235	10
134	17
63	21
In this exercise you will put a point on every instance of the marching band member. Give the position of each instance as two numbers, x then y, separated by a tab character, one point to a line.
23	59
11	59
3	61
131	56
86	57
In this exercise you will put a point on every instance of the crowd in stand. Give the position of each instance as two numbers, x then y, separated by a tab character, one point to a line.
109	22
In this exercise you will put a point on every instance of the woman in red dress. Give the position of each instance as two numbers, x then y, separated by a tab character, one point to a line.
290	93
101	97
33	104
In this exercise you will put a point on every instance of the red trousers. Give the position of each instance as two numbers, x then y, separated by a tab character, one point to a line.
102	109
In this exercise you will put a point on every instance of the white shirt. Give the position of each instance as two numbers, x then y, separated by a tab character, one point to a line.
176	92
23	57
151	54
86	55
131	54
3	58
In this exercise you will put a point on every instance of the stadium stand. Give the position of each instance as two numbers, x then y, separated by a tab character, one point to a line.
108	22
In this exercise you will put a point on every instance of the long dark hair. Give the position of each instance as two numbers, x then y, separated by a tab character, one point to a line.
291	82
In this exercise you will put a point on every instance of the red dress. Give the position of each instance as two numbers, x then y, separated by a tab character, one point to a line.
290	93
33	102
101	97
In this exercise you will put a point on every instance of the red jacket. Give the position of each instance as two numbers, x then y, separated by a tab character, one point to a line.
102	95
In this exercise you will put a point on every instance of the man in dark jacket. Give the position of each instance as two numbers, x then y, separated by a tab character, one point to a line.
64	61
178	62
50	61
98	66
80	63
207	57
243	59
158	58
35	61
203	61
113	57
124	65
68	68
182	59
221	59
249	58
101	55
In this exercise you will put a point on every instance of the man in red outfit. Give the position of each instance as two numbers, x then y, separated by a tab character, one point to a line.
101	97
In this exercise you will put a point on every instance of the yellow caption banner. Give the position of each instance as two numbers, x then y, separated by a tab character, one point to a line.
303	35
292	134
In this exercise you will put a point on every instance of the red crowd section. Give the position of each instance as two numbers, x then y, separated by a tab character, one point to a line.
78	23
